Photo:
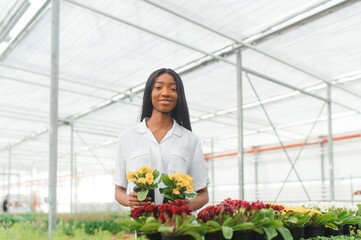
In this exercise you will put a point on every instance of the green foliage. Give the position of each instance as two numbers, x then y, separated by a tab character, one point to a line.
77	226
226	227
294	219
265	223
337	238
22	231
185	226
328	219
170	184
141	224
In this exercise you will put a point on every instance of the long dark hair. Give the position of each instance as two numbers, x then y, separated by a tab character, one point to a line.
180	113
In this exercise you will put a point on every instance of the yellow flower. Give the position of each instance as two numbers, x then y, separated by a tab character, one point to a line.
142	180
301	210
175	191
145	170
149	177
132	177
190	188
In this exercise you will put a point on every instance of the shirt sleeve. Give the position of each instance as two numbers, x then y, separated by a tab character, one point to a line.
198	169
120	173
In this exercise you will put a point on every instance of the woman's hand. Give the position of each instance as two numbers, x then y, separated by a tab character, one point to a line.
134	202
130	199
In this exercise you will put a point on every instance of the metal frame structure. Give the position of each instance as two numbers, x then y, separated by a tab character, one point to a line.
233	54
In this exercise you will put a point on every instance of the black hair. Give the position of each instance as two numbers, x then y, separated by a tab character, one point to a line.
180	113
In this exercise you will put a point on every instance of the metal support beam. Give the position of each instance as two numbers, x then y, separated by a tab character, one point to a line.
240	154
53	129
71	166
76	184
330	144
330	4
351	186
212	170
9	171
256	181
323	185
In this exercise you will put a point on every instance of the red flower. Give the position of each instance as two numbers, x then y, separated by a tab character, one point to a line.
146	211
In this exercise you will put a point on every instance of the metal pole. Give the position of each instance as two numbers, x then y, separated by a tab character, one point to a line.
71	166
330	144
240	154
53	129
19	191
212	170
256	175
351	185
323	190
9	170
76	184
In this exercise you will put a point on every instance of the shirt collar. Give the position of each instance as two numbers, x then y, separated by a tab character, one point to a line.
176	129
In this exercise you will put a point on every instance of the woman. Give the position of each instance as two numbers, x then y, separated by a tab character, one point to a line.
162	140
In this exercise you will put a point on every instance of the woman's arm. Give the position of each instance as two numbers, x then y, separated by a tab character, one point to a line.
200	200
121	196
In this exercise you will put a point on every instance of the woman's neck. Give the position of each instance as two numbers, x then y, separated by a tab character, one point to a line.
160	121
159	124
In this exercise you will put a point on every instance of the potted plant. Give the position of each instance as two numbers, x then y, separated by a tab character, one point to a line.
318	221
178	186
218	220
295	219
145	221
145	180
177	222
266	222
242	228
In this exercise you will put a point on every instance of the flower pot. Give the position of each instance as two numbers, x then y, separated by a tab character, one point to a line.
314	231
214	236
278	237
332	232
258	236
176	237
151	236
297	232
242	235
348	228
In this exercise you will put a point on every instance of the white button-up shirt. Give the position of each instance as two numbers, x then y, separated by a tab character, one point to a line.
179	151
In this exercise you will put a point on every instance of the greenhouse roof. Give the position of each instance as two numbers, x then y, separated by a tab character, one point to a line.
292	52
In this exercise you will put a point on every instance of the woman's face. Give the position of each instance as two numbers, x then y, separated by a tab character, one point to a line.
164	93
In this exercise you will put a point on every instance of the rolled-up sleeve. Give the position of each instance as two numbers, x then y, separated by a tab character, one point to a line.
120	173
198	169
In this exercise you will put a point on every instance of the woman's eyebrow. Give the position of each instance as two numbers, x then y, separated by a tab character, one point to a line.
160	81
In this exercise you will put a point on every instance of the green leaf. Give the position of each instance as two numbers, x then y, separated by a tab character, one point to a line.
150	227
142	195
165	229
214	225
195	235
227	232
190	195
243	226
165	179
270	232
150	219
229	222
293	219
156	174
286	234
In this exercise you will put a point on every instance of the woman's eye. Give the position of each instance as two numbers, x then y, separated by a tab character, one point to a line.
157	87
174	89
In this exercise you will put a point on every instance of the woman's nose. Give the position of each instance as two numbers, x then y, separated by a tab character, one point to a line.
165	92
